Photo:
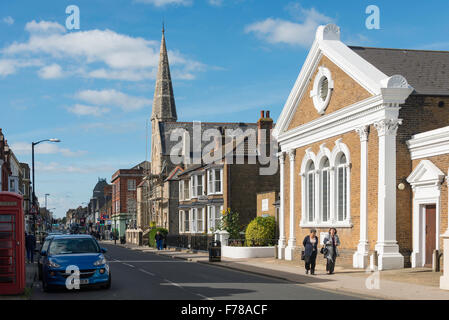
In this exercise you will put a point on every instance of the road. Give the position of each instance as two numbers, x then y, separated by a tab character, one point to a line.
144	275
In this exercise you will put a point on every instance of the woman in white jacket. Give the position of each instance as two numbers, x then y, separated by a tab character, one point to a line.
331	242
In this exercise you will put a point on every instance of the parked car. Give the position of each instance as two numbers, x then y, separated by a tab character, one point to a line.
81	251
44	247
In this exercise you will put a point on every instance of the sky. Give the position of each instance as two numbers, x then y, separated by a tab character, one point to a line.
92	87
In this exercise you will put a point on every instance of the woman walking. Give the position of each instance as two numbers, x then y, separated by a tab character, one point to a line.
310	244
331	242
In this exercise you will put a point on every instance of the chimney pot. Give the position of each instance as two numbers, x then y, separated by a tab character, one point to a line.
267	113
262	114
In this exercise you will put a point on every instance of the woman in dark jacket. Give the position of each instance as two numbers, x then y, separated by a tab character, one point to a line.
310	251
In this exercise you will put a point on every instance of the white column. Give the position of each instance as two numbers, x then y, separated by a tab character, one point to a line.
281	243
387	246
291	239
444	279
360	258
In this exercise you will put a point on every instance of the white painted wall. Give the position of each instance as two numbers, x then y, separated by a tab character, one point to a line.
247	252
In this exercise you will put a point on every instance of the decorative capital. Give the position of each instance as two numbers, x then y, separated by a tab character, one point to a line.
387	126
291	154
363	132
281	156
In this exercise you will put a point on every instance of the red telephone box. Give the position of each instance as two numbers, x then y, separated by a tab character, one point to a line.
12	244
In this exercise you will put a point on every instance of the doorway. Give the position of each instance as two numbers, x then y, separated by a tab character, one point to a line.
430	233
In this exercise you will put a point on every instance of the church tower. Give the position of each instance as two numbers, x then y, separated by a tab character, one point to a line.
164	108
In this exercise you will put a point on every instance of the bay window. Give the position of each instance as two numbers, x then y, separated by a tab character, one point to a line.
214	178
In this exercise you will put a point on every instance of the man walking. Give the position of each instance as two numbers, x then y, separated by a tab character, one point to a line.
159	239
30	244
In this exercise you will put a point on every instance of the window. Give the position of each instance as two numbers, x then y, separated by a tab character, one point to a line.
214	178
186	221
324	85
131	206
213	217
197	185
342	188
200	220
131	185
181	190
117	206
186	194
310	196
325	191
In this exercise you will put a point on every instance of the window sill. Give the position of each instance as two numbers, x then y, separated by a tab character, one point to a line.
345	224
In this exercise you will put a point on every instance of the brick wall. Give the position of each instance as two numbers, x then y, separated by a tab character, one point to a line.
346	92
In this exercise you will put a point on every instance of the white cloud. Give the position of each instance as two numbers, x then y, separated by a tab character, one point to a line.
10	66
53	71
274	30
24	148
216	2
8	20
163	3
113	98
124	57
83	110
44	27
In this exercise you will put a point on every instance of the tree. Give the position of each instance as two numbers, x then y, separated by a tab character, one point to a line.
230	222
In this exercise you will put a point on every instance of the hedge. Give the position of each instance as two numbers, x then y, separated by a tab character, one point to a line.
261	231
152	234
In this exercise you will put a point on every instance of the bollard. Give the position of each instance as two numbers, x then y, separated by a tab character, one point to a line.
435	261
376	259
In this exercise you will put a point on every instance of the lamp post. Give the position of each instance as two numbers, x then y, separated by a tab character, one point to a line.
34	187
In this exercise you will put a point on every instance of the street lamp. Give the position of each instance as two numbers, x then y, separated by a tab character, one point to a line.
32	161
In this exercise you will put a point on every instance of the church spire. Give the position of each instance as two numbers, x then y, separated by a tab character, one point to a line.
164	108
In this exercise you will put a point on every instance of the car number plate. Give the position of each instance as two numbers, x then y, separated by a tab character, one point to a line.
84	281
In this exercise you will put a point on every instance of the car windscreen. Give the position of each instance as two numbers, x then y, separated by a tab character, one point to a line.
73	246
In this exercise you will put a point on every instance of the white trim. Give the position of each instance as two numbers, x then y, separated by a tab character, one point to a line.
315	94
281	244
393	89
429	143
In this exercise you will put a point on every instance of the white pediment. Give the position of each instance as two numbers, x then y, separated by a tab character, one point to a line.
327	42
426	173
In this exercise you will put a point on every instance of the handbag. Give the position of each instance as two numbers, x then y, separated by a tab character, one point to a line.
303	256
324	250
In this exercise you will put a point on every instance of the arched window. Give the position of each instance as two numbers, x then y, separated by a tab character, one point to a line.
310	193
342	187
325	190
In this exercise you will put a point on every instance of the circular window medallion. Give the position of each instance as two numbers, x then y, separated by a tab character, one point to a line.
322	89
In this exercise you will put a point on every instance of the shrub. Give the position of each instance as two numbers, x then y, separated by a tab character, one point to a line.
230	222
261	231
152	234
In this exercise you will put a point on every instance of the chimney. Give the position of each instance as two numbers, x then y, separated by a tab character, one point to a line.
264	123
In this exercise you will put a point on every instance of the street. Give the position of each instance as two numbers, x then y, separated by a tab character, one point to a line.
147	276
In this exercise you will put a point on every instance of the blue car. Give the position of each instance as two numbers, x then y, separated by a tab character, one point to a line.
69	260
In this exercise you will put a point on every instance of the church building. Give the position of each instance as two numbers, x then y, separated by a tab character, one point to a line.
364	148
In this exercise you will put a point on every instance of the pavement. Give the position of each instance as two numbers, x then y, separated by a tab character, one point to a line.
30	280
144	274
410	284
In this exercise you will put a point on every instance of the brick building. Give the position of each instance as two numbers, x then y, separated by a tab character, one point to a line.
124	196
349	135
163	188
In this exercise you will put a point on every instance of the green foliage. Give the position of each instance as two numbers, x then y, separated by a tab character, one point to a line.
260	231
152	234
230	222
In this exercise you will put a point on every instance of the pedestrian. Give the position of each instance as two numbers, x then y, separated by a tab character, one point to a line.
310	244
331	242
159	238
30	244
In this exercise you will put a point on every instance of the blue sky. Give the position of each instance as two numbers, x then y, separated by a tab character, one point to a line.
93	88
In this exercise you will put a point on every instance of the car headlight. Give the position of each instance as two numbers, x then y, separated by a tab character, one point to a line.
100	262
53	264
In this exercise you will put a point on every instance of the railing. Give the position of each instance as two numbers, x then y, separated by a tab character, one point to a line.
193	242
252	242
